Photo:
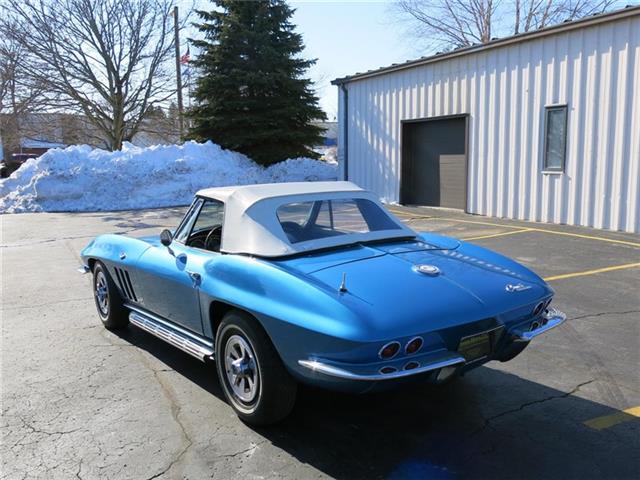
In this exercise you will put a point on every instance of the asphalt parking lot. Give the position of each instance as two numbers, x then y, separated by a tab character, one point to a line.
81	402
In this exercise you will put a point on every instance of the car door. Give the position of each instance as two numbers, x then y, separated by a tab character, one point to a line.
171	276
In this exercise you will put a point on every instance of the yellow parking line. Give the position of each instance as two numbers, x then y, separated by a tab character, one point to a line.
588	237
497	234
592	272
453	220
408	215
606	421
530	229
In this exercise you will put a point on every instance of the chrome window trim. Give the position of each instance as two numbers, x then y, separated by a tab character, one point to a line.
203	201
192	211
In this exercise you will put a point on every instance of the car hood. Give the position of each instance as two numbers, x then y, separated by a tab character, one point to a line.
461	284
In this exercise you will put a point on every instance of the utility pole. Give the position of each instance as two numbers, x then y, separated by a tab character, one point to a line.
178	72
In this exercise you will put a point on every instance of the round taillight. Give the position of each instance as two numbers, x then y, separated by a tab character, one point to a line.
411	365
387	370
389	350
413	345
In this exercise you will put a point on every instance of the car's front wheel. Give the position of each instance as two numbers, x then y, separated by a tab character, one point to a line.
108	301
253	378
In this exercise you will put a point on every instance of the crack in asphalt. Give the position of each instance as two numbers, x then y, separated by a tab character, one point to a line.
45	432
169	394
79	470
242	452
35	431
607	386
600	314
487	421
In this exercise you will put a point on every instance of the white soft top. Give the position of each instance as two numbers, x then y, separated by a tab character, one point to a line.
251	225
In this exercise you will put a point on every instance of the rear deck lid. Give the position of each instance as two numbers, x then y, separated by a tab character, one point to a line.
318	261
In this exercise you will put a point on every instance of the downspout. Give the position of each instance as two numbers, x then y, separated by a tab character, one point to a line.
345	121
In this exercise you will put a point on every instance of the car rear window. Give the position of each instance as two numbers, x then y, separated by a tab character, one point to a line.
313	220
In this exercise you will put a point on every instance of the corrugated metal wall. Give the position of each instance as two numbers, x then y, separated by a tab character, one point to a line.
595	70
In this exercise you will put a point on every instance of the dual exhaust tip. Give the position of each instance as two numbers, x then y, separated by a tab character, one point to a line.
441	375
540	309
408	366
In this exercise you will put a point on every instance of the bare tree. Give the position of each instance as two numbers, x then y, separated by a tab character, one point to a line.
18	97
108	60
460	23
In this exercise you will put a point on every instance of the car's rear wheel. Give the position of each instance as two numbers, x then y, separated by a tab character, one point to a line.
109	303
253	378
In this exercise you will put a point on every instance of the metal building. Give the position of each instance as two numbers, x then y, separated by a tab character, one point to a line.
542	126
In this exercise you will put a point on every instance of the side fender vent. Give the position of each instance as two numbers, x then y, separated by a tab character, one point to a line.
124	282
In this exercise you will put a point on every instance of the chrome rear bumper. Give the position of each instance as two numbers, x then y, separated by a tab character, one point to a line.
442	360
449	360
550	319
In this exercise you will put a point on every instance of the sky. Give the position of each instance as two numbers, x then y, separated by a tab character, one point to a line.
348	37
345	36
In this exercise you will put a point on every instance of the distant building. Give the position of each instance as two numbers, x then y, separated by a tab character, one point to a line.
330	135
35	133
33	146
38	132
541	126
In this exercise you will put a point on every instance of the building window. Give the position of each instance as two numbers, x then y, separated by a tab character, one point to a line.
555	138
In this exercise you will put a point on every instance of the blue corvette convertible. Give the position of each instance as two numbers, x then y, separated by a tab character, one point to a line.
316	283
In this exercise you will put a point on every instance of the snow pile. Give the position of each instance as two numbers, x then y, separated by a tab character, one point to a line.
81	178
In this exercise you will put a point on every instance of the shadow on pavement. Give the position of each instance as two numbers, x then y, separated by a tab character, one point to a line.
488	424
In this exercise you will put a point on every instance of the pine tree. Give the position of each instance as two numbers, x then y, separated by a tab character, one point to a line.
251	94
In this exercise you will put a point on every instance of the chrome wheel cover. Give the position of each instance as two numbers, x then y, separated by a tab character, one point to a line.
102	293
241	369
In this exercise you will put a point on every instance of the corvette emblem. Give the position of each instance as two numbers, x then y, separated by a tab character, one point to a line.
518	287
428	269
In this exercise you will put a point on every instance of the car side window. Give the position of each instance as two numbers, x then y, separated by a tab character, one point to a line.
183	230
211	215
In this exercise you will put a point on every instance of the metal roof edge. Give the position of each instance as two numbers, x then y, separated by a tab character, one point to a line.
628	11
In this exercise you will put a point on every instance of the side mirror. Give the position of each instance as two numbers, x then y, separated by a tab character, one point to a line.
166	237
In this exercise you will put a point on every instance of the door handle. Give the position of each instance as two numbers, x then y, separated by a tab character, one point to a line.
195	276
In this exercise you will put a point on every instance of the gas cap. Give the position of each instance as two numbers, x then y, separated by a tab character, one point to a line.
430	270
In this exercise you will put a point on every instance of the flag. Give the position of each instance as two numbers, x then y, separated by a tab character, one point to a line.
184	59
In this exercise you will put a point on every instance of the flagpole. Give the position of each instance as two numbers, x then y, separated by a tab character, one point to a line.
178	72
188	75
189	87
